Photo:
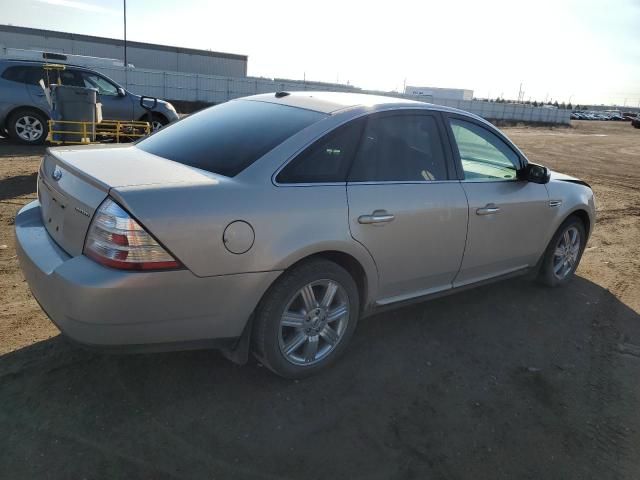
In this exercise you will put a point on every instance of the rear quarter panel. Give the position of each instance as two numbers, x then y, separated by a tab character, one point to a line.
290	223
12	95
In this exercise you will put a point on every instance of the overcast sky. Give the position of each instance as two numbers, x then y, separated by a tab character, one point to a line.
584	50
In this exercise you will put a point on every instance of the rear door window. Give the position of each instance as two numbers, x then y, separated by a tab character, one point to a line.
400	148
327	160
71	78
229	137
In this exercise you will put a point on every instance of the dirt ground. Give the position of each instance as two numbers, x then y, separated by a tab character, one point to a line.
510	380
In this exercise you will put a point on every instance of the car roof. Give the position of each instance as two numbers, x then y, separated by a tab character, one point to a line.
18	61
332	102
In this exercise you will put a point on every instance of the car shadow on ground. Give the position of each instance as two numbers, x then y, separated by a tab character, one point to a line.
9	148
18	185
510	380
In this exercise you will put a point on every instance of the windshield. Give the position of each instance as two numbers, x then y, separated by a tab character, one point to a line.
229	137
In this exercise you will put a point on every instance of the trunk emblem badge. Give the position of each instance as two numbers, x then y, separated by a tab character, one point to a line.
82	212
57	174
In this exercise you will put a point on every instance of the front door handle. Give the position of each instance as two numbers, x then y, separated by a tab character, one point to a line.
489	209
378	216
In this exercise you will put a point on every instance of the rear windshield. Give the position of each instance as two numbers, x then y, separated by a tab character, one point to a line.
229	137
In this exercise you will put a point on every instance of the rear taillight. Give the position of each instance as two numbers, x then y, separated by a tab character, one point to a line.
117	240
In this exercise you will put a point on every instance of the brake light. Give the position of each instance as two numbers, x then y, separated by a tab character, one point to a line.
116	240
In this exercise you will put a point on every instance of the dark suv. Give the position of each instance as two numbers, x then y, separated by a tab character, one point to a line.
24	110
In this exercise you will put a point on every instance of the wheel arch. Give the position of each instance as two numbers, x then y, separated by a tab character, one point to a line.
143	117
583	215
350	264
15	110
362	276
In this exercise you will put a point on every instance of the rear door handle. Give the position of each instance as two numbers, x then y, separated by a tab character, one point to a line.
378	216
489	209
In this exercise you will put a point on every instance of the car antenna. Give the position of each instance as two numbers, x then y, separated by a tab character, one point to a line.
282	94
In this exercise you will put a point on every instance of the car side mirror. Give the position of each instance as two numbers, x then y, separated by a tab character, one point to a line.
536	173
121	92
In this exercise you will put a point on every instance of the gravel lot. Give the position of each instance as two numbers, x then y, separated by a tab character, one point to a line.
510	380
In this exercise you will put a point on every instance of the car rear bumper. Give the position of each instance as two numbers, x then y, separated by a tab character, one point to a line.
108	308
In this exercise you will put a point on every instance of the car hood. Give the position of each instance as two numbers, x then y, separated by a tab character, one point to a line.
562	177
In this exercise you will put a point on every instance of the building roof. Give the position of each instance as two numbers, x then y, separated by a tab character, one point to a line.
118	42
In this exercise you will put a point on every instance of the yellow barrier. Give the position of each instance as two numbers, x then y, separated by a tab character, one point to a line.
88	132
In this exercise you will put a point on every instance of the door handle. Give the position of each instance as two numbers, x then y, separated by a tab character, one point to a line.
378	216
489	209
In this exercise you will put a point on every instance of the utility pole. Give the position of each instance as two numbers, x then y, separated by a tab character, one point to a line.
520	93
125	34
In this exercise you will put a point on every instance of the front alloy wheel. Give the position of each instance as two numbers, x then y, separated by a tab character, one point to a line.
563	253
157	122
565	256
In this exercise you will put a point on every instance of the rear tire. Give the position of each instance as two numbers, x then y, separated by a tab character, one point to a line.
306	319
563	254
28	126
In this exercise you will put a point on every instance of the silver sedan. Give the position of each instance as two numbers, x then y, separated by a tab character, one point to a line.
271	224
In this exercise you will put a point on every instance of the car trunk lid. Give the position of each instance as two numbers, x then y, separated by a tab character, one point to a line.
73	182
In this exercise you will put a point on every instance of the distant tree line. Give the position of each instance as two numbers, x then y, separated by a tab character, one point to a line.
534	103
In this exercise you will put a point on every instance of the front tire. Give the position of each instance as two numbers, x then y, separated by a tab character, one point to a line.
28	126
563	253
306	319
157	122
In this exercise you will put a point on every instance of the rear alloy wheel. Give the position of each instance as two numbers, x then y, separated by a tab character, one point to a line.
563	254
314	322
28	127
306	319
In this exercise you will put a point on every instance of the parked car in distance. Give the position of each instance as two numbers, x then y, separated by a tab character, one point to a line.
273	223
636	121
24	109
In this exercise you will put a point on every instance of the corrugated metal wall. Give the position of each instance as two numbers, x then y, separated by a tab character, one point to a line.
217	89
159	58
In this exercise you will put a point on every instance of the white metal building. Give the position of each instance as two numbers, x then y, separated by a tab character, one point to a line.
141	55
441	93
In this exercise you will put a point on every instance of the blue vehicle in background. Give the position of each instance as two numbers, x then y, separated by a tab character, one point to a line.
25	110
